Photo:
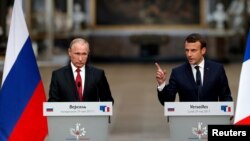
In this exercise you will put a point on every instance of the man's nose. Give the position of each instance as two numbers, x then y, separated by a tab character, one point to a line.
80	57
189	53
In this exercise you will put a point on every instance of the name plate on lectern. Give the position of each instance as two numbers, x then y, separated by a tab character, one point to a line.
77	108
73	121
198	108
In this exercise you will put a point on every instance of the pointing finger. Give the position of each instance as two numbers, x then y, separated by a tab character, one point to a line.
158	66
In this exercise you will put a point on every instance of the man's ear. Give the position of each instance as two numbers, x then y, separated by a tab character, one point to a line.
203	50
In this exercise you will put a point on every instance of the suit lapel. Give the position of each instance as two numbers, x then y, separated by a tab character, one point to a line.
206	75
71	81
87	80
189	74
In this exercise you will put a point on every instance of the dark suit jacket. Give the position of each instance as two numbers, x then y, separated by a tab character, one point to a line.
64	89
215	84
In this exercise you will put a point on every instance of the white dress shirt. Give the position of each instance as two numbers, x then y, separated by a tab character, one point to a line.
201	67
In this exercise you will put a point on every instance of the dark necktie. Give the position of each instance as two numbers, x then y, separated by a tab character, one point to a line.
79	84
198	76
198	81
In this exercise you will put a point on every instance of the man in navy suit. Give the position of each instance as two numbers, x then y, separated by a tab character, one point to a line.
213	82
93	83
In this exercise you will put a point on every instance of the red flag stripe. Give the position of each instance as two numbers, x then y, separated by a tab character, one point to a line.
24	130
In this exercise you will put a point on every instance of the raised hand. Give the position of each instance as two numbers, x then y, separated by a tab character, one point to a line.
161	75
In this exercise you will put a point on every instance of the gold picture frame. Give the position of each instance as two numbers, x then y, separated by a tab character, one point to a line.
148	13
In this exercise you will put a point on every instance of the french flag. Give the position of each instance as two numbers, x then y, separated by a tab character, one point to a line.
242	112
22	93
104	108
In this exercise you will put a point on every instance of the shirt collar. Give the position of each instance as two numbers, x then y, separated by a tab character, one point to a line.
74	68
201	65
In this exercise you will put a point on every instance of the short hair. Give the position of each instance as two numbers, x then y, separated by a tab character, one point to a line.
194	37
79	40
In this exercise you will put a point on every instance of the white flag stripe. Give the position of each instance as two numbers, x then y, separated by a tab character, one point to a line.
242	108
18	34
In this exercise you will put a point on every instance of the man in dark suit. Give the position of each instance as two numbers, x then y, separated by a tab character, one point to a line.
206	82
79	81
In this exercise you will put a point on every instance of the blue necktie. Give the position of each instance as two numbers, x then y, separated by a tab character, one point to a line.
198	82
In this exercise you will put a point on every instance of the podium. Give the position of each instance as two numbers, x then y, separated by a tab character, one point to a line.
69	121
188	120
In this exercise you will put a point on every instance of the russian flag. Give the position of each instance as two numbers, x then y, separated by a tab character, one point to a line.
242	112
49	109
22	93
171	109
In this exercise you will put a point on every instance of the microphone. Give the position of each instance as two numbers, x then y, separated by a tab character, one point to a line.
78	84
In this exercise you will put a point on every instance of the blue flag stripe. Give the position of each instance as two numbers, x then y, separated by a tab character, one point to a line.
247	50
18	88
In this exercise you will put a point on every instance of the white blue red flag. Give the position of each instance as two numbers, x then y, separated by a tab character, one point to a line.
22	93
242	113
